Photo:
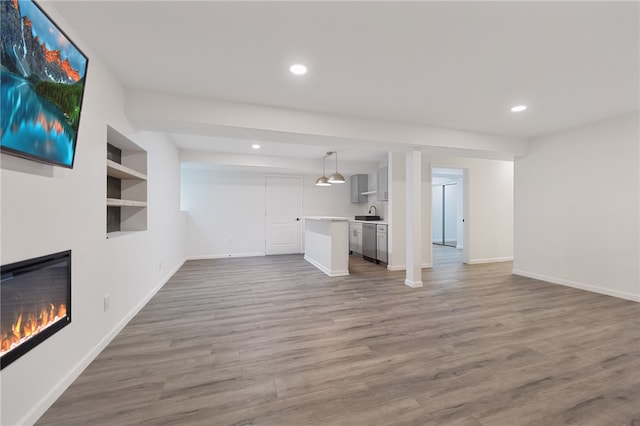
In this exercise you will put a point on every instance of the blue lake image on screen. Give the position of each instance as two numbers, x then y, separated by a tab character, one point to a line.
32	124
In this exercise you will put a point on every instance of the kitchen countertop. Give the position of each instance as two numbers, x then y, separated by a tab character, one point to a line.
327	218
377	222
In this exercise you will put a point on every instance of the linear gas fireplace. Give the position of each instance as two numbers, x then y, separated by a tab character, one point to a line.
35	298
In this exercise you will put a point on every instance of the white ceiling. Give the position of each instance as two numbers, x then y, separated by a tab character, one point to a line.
239	146
457	65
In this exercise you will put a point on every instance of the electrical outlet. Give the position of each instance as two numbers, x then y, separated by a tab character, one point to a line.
107	302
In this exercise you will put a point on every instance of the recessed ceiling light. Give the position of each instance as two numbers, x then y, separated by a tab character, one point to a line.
255	146
298	69
518	108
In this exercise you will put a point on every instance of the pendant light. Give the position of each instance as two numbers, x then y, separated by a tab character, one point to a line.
336	177
323	180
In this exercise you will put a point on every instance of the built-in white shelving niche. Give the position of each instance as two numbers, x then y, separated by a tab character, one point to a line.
126	185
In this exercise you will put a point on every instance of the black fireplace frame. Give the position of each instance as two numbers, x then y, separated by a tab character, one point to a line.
26	266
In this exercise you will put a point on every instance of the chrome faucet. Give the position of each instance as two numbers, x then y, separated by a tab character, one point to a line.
374	209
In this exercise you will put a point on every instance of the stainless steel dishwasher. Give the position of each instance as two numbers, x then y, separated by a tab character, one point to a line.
369	241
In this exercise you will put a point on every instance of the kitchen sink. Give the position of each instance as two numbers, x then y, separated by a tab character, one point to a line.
367	218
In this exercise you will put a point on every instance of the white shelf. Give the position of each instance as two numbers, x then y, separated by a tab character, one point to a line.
368	192
123	172
115	202
126	196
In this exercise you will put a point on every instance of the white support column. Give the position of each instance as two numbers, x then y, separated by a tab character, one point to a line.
397	211
414	219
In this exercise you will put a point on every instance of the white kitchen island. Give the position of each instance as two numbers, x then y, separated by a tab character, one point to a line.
326	244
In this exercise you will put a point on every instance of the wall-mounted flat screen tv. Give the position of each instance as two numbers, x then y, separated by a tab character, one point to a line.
43	79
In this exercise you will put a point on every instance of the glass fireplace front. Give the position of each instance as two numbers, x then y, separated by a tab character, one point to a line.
35	303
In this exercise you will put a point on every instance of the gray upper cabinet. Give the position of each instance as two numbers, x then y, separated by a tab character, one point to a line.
383	184
359	184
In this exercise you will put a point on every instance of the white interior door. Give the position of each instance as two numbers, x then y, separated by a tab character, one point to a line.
283	221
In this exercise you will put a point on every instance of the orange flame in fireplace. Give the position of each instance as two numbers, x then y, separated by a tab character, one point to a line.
29	324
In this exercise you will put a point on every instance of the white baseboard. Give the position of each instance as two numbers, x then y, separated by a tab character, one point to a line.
580	286
339	273
224	256
404	267
43	405
490	260
413	284
396	267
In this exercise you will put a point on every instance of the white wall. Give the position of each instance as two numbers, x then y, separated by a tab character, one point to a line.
47	209
226	209
225	212
577	208
334	200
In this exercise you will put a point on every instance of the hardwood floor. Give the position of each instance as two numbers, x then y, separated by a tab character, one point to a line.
273	341
446	257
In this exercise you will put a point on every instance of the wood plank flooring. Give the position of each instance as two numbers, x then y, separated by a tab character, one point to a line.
273	341
446	257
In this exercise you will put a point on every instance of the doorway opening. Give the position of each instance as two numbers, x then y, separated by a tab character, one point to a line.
448	202
444	218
